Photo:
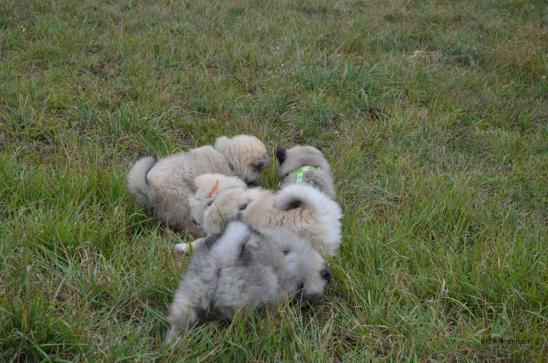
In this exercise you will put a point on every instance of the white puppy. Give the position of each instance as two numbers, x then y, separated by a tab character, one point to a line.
164	185
305	164
299	208
245	269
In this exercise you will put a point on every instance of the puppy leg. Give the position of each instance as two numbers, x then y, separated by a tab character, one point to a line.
183	316
216	217
185	247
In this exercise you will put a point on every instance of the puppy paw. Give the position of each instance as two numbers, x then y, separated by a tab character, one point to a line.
170	336
182	247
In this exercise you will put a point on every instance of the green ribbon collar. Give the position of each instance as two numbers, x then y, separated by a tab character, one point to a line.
299	173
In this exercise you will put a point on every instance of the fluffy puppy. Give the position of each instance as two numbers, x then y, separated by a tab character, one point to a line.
164	185
206	188
299	208
245	269
305	164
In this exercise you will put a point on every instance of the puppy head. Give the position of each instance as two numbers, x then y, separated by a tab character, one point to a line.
247	156
314	274
305	272
300	155
206	188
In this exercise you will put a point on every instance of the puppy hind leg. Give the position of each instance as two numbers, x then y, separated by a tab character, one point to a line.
182	318
186	247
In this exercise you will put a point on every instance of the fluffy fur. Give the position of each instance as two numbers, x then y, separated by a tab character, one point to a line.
203	197
298	156
245	269
299	208
163	186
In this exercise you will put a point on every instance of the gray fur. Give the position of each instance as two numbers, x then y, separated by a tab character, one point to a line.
245	269
292	159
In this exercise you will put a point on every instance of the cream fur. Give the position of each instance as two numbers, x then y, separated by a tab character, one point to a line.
299	208
164	186
203	197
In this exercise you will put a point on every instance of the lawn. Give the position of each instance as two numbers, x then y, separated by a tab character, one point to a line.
433	115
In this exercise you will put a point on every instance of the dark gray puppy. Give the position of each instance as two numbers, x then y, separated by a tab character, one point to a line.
305	164
245	269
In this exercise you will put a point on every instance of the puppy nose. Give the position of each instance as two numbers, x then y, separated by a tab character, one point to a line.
326	273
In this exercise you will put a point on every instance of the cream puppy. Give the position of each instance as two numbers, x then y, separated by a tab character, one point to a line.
206	187
246	269
305	164
299	208
163	186
202	198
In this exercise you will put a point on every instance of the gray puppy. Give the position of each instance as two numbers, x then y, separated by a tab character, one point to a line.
245	269
164	185
305	164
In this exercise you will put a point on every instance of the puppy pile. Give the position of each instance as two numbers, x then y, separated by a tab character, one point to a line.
259	246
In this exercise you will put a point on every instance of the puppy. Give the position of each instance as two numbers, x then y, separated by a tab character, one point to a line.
245	269
305	164
163	186
299	208
206	188
203	196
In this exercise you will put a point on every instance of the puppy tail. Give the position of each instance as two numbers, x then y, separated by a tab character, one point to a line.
306	196
327	212
137	182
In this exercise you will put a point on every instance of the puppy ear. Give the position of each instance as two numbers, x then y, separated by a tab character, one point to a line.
281	154
221	142
262	162
194	183
193	186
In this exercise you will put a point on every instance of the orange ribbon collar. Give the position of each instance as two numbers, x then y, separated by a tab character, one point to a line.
214	189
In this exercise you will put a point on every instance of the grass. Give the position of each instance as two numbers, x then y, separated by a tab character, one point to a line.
440	159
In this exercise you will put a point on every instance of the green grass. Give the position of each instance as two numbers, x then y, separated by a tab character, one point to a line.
440	162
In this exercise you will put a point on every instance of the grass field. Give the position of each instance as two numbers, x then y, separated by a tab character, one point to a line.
433	115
